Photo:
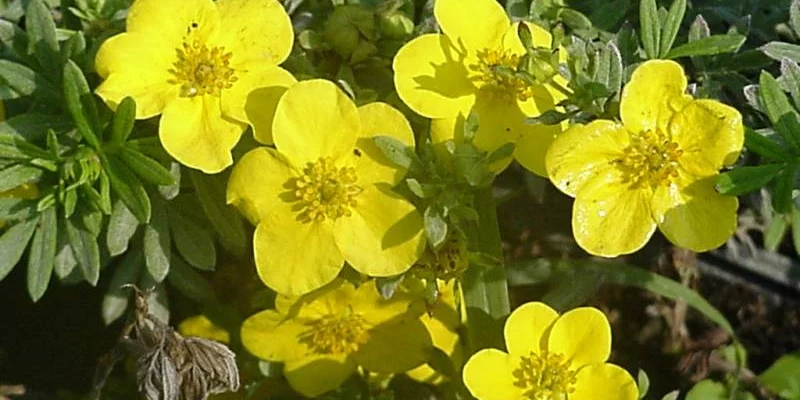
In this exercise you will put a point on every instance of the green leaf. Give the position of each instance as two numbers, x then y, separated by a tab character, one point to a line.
485	289
15	209
790	74
121	227
17	175
643	382
157	242
81	104
123	121
435	227
780	50
746	179
784	184
794	17
775	231
65	261
779	110
783	377
129	189
501	153
13	243
796	229
396	151
25	82
85	249
116	298
707	390
709	46
574	19
671	26
673	395
145	167
623	274
517	9
572	288
193	242
764	146
33	126
224	218
525	36
190	282
42	41
13	147
42	254
650	26
472	123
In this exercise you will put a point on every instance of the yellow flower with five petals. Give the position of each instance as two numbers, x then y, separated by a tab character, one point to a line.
655	169
324	336
324	195
444	76
550	357
209	68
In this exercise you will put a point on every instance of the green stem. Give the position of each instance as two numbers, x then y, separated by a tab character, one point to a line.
485	289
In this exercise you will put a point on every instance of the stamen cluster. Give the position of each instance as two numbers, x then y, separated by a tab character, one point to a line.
202	70
545	376
326	191
651	159
489	74
336	334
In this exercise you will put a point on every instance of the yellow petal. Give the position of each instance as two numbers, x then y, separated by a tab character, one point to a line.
294	257
395	347
710	135
332	299
380	119
376	310
383	236
171	20
473	24
488	375
584	151
609	218
314	376
432	78
194	132
526	326
256	31
531	148
270	336
201	326
502	121
258	181
693	215
254	97
444	339
136	65
315	119
582	335
604	382
654	93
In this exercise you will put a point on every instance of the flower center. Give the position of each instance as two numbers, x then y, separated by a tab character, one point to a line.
336	334
496	71
202	70
326	191
446	263
651	159
545	376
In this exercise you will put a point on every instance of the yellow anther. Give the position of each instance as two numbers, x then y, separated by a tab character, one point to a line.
326	191
342	334
489	78
545	376
202	70
651	159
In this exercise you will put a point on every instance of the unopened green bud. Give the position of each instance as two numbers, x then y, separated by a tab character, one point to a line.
395	25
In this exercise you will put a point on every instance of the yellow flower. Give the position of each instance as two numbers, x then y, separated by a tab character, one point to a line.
323	337
550	357
442	321
201	326
655	169
323	196
208	67
444	76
